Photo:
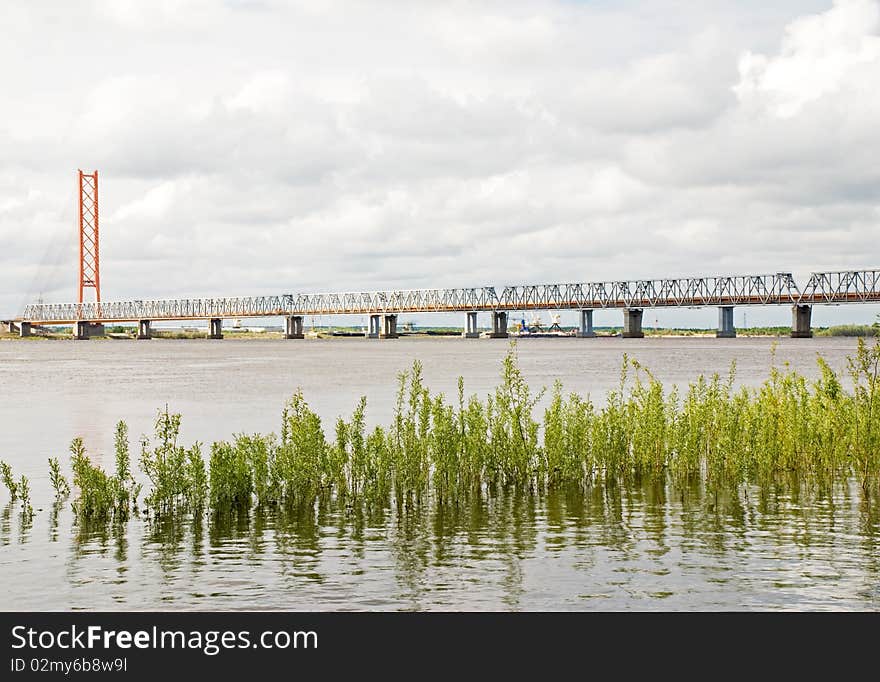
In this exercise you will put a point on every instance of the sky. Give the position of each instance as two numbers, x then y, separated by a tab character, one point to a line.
262	147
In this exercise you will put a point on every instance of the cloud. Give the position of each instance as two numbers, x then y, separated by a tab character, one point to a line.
835	53
154	205
267	91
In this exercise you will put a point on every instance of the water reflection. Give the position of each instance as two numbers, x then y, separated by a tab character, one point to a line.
54	513
298	543
6	523
23	522
644	544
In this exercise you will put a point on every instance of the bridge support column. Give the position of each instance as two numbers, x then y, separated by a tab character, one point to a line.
82	330
144	330
375	327
24	329
800	322
293	327
471	331
632	323
215	328
726	330
389	327
586	330
499	325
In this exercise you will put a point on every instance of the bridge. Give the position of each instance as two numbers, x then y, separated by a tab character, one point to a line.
383	307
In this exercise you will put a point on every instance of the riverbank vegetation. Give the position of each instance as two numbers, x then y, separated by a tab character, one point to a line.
844	330
821	430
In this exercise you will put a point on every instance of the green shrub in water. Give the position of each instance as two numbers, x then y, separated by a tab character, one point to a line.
57	479
177	475
97	493
18	489
231	481
8	480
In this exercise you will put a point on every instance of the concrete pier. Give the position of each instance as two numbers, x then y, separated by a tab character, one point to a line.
215	328
800	322
144	330
471	331
632	323
24	329
375	327
726	330
499	325
293	327
389	327
586	330
81	331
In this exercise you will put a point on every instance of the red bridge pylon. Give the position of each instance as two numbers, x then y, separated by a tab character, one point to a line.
89	261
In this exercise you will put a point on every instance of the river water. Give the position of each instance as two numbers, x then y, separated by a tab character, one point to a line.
650	546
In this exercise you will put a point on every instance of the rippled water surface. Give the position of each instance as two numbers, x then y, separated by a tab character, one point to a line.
651	545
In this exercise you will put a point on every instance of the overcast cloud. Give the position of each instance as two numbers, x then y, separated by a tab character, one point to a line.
258	146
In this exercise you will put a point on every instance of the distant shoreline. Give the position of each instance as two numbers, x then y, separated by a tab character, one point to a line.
128	333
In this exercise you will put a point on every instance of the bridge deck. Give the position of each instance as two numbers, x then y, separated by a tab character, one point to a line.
853	286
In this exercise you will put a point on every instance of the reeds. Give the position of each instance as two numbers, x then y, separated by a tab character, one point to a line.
789	426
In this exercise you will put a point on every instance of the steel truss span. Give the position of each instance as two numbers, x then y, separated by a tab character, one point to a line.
851	286
656	293
844	286
162	309
401	301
